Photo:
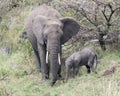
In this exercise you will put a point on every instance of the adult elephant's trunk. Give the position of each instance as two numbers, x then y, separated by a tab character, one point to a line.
55	63
59	58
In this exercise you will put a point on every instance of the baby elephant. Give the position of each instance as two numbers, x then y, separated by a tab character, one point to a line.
85	57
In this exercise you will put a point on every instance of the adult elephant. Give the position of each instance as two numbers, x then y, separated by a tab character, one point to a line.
47	30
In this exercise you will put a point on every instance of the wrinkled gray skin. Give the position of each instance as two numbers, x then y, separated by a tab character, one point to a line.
86	57
47	30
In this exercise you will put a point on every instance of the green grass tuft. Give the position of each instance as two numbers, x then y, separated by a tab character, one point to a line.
23	80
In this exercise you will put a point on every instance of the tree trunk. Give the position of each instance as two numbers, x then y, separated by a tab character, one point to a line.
102	41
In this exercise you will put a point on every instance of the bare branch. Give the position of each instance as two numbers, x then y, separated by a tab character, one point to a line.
86	16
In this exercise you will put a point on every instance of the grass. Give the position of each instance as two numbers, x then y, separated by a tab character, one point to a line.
18	77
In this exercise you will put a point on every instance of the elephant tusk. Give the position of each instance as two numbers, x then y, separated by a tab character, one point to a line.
47	57
59	61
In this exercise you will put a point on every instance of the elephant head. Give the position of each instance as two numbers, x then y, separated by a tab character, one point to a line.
51	34
54	29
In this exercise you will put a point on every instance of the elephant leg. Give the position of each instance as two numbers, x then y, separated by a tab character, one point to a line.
75	72
88	69
44	66
67	73
93	69
91	65
33	42
37	60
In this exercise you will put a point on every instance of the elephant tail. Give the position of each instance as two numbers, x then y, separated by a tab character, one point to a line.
95	61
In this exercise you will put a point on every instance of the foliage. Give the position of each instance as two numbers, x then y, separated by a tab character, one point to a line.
21	81
18	74
101	16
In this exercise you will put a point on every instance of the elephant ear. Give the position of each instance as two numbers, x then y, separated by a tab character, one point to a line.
38	27
70	28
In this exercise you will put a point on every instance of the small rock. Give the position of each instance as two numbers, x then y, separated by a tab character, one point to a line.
109	72
5	50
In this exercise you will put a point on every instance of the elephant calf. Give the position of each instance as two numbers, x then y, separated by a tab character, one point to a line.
85	57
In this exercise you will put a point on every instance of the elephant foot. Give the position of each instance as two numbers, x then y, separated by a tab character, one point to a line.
60	77
52	83
88	71
47	77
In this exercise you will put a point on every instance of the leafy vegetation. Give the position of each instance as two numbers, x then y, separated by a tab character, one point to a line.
18	73
18	77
